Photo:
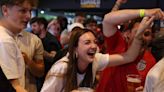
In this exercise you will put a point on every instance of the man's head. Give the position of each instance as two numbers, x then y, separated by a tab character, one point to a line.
133	27
79	18
38	24
16	13
91	24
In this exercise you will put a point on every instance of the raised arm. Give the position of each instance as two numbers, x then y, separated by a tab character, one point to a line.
134	49
118	4
112	19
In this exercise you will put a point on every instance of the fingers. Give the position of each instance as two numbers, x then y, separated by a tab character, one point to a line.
146	21
158	13
139	89
150	20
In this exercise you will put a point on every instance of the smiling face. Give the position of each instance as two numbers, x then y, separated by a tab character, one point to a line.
17	16
36	28
86	49
54	28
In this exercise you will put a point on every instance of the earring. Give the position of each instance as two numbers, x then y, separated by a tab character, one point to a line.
76	55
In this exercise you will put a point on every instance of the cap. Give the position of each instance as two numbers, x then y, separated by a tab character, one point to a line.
70	27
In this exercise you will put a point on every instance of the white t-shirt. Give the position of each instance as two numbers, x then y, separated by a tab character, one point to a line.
54	82
154	76
11	59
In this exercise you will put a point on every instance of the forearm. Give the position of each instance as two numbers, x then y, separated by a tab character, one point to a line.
133	51
15	83
36	68
127	57
113	19
116	6
121	16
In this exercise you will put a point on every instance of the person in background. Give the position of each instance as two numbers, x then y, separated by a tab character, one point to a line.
16	14
157	45
39	26
54	28
78	68
50	44
65	40
79	18
155	77
63	22
64	34
114	78
91	24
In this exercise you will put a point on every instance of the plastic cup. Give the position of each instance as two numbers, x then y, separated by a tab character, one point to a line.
133	82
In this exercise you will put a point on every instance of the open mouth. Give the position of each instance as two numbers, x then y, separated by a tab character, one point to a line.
91	52
24	23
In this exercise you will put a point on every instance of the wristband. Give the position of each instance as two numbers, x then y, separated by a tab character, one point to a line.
142	13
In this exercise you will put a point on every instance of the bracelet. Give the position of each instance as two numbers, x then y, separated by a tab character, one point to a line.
142	13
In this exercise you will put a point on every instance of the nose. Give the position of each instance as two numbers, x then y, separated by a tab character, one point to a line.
28	15
94	45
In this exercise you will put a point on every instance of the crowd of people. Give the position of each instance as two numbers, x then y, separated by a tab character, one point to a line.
57	57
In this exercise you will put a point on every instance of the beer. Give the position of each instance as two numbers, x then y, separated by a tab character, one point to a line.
133	82
83	89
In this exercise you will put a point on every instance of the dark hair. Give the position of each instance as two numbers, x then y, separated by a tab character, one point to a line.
89	20
80	14
71	75
132	23
158	46
63	22
39	20
18	2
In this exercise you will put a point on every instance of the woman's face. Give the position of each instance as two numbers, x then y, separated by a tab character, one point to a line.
86	48
55	28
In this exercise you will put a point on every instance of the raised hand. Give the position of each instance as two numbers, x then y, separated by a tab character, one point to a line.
157	13
122	1
26	59
145	23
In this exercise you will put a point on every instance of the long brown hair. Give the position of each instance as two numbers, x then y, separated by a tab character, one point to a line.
71	75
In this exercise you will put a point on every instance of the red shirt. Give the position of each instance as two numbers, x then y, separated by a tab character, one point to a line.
113	79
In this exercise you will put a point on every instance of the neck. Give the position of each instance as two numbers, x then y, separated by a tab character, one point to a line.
82	66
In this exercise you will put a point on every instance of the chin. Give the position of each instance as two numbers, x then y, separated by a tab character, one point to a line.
90	60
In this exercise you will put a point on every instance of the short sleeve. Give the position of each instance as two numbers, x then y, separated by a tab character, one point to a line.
102	60
39	50
8	59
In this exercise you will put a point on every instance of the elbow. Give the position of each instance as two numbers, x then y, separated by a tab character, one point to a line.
106	18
